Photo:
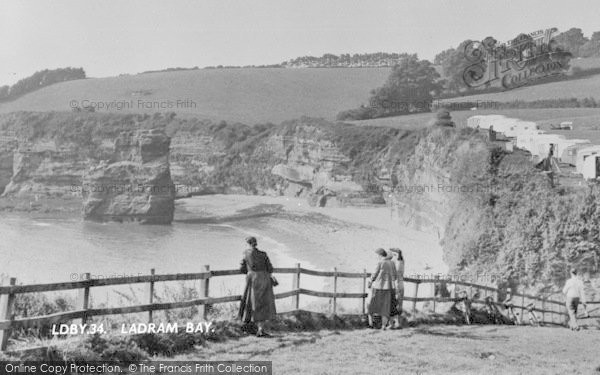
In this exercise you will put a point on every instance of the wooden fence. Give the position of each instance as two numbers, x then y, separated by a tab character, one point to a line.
552	308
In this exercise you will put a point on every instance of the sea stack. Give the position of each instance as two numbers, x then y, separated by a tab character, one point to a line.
135	185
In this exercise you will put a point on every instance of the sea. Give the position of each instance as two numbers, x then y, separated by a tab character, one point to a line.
48	250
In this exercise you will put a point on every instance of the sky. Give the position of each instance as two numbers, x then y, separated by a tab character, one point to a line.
112	37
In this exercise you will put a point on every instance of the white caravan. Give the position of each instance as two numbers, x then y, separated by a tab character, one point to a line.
584	154
483	121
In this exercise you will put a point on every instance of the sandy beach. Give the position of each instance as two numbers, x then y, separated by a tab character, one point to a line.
325	237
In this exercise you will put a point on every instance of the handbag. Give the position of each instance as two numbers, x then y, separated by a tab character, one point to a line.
274	281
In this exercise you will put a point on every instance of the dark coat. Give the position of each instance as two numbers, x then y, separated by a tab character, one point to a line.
258	300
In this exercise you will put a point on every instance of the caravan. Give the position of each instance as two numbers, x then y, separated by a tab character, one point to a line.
526	141
583	154
591	166
566	144
525	127
569	154
543	142
504	126
483	122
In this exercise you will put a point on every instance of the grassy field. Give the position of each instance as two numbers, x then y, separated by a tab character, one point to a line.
252	95
577	88
244	95
419	350
586	121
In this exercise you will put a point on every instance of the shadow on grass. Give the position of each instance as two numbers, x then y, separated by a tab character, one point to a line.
450	332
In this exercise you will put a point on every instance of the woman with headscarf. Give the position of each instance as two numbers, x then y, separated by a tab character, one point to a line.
382	284
399	285
258	301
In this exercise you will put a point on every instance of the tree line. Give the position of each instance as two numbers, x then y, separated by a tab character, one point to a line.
38	80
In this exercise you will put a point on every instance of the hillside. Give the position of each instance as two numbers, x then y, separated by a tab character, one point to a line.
255	95
243	95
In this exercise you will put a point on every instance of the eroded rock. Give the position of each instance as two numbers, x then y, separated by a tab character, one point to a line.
136	185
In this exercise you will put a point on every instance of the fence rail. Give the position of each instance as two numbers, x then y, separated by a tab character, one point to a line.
9	292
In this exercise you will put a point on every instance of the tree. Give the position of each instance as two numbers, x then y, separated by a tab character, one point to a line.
571	40
591	48
457	61
408	89
443	118
442	56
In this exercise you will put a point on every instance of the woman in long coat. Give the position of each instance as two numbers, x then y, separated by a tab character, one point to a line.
258	301
383	301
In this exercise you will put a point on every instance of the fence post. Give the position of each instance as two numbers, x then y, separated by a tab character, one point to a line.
296	286
6	306
335	279
151	294
204	287
434	297
543	309
83	298
522	308
364	289
414	307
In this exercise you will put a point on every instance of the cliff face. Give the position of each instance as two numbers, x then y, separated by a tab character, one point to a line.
312	165
45	172
301	158
136	185
446	169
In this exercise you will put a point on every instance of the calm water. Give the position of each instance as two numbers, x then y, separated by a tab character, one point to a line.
53	250
59	250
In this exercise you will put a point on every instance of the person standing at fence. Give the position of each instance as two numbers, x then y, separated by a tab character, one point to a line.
258	301
399	285
383	301
510	307
574	293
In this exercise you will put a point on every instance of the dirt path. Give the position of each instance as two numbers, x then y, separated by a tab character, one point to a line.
420	350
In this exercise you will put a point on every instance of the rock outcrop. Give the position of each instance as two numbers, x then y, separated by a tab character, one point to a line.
135	185
48	173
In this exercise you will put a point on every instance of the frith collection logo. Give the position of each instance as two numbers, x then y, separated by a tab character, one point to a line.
516	63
